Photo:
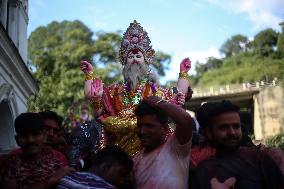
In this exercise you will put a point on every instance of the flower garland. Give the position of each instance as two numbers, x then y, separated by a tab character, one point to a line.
124	97
117	99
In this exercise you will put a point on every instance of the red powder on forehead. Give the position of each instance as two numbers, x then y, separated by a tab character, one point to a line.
135	51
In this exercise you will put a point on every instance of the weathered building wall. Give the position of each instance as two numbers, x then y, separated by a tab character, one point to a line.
16	81
268	112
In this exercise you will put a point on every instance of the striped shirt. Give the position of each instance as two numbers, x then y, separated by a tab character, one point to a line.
83	180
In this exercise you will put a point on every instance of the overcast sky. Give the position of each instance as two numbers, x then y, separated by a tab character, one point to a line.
181	28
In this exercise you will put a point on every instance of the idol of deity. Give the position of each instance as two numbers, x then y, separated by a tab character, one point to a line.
114	104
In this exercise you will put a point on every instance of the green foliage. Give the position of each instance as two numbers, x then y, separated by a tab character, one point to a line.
107	47
261	60
55	51
276	141
265	42
235	45
280	43
244	68
161	62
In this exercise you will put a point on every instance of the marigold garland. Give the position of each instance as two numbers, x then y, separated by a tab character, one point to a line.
146	92
117	99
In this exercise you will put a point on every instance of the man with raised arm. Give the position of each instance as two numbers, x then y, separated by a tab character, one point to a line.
163	161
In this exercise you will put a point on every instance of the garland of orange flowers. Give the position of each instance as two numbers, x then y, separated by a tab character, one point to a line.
146	92
117	99
128	96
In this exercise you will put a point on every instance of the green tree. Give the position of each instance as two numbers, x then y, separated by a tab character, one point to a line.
106	53
161	62
201	68
55	51
280	41
235	45
213	63
107	46
265	42
260	60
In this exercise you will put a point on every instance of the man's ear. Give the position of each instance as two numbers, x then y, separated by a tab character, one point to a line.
208	133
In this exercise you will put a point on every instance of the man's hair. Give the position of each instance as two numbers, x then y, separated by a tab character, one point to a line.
202	114
112	153
225	106
48	114
29	122
209	110
143	109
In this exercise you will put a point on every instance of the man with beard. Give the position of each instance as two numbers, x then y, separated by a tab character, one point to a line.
163	161
233	166
114	105
36	166
55	131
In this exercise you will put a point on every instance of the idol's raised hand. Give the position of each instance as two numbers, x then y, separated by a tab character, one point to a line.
86	67
178	99
185	65
97	87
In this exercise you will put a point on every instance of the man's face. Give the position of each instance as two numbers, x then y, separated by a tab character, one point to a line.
150	131
52	129
135	57
226	131
31	143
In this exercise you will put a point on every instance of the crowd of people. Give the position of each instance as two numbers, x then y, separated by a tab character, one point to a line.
141	137
220	159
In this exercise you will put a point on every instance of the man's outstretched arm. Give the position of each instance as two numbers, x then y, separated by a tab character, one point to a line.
182	119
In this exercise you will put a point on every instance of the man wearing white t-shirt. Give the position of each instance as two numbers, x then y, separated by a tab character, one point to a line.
163	162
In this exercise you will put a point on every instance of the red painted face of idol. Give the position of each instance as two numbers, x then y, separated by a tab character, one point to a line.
226	131
150	132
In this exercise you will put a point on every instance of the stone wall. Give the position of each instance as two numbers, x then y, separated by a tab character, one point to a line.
268	112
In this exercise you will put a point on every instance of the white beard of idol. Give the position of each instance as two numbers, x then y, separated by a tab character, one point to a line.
133	73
